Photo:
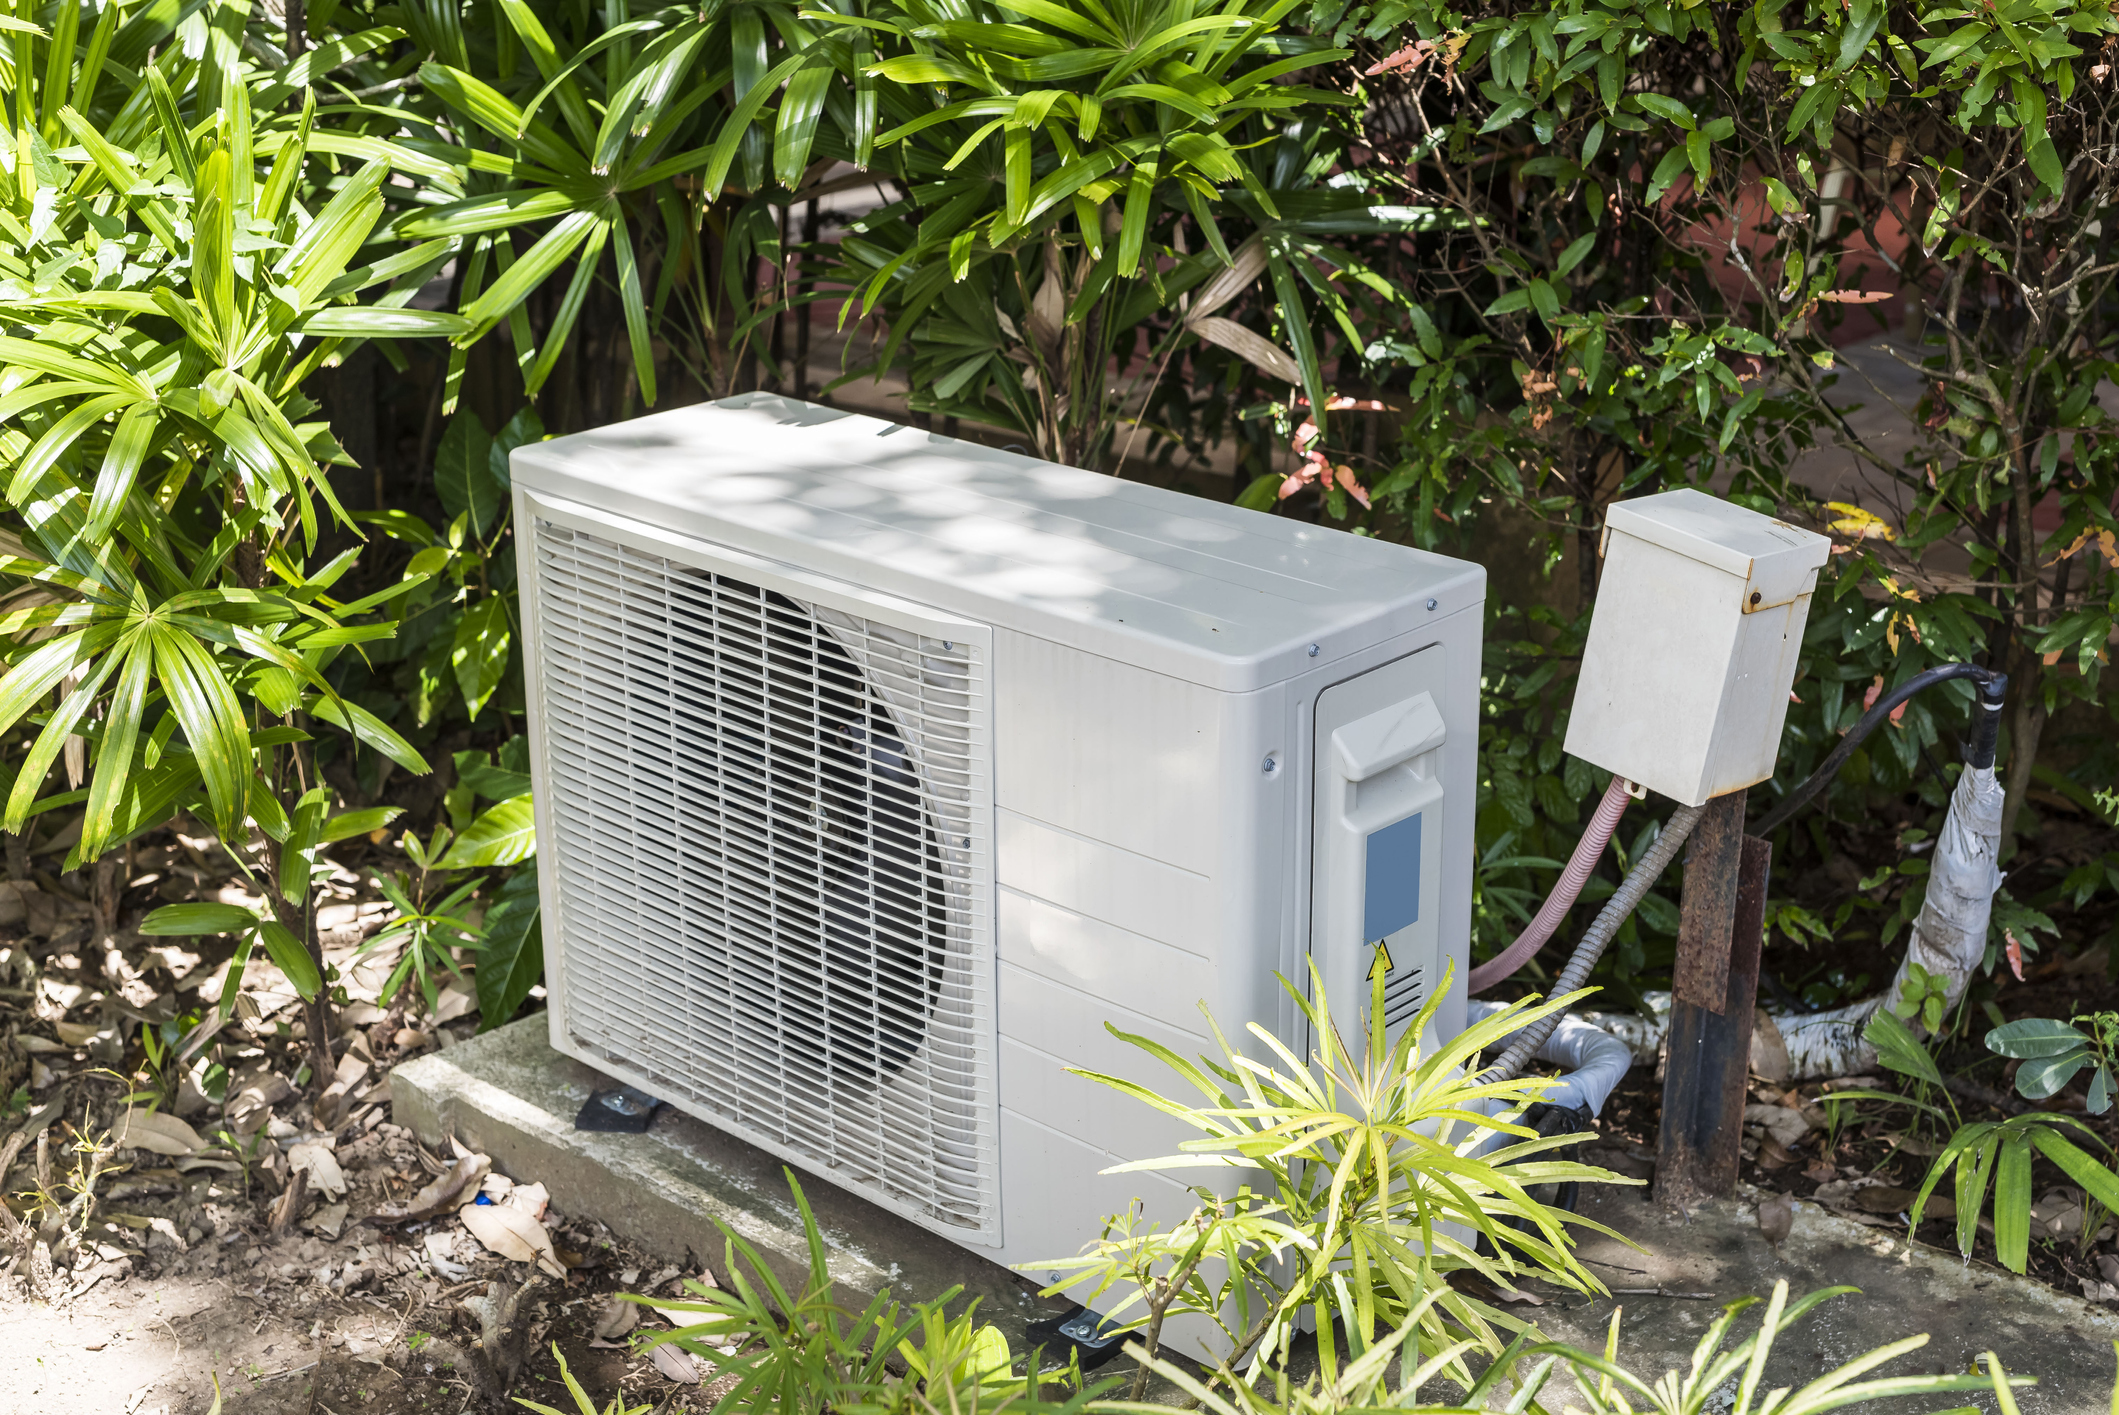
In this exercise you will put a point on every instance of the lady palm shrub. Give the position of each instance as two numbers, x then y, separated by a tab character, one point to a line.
174	276
1369	1173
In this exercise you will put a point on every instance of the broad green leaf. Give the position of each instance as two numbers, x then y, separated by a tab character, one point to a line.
2097	1180
479	655
285	950
2012	1202
512	961
462	476
376	322
187	920
371	732
1897	1047
2042	1076
505	835
2035	1036
213	723
519	431
115	754
495	783
347	824
298	851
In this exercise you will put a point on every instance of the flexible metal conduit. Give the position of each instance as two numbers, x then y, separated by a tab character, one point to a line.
1986	732
1636	884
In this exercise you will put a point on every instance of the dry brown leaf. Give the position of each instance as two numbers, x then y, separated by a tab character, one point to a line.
513	1234
251	1104
1776	1219
1884	1199
157	1133
1254	348
530	1198
675	1364
325	1175
466	1174
77	1034
617	1318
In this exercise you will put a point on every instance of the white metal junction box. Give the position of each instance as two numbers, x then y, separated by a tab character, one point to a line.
876	771
1693	644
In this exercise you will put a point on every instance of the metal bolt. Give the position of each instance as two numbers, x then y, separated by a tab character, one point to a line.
1313	650
1434	603
1756	597
1272	764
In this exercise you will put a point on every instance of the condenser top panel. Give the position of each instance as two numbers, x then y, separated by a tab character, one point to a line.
1213	593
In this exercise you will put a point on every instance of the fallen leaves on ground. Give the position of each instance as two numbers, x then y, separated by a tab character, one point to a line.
156	1133
513	1234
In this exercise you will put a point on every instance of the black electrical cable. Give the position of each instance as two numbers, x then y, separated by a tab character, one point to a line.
1986	732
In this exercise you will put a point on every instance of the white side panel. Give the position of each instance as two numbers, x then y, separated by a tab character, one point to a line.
1102	960
1052	1180
1104	750
1137	893
1747	740
1046	1028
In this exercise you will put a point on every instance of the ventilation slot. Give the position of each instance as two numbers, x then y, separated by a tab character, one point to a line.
1404	993
773	867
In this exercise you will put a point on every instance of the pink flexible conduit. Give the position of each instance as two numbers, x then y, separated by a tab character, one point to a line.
1588	850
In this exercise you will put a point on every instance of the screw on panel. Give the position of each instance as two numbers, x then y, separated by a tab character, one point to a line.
1433	603
1313	650
1272	764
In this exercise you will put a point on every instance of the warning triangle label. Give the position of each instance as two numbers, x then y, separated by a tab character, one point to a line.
1382	961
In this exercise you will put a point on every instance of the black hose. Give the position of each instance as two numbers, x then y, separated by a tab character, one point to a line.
1986	732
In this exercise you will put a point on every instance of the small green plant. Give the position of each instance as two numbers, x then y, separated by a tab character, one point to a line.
797	1352
1371	1163
2054	1052
1996	1155
1607	1385
1923	995
1900	1050
794	1350
582	1404
432	922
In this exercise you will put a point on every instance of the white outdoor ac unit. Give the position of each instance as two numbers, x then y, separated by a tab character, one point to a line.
877	771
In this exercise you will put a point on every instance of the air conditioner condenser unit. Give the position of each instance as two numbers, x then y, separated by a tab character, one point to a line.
876	771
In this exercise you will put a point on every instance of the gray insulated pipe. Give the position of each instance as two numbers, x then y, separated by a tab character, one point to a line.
1639	880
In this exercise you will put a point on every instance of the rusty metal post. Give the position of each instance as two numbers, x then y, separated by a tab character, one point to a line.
1715	987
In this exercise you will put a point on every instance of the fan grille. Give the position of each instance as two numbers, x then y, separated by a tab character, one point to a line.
773	867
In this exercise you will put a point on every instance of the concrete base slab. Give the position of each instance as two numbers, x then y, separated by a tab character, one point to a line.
1966	1310
510	1095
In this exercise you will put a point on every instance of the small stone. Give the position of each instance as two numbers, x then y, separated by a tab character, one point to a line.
1776	1220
